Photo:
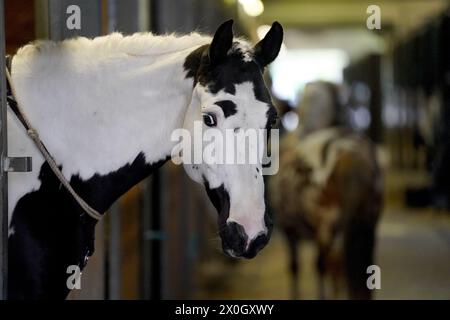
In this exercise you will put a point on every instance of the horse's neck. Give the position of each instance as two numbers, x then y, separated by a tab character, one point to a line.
106	115
99	111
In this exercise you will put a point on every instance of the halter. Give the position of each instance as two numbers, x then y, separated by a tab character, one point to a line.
33	134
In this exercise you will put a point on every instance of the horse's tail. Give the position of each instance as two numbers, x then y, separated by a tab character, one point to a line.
360	204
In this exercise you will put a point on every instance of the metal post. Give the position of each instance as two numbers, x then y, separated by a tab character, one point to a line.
3	173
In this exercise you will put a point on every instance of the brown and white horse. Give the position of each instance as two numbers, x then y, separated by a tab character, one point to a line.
329	190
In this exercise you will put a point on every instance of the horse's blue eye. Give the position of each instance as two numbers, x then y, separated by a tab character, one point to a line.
209	119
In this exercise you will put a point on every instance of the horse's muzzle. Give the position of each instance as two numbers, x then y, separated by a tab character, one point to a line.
235	241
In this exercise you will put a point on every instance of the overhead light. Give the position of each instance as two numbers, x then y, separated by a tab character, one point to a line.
309	65
252	7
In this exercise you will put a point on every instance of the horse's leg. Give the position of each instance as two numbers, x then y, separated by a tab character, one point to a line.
293	265
321	270
329	269
359	247
359	240
359	202
337	276
325	263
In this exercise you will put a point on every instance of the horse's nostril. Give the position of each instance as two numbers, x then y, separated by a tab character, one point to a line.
256	245
238	229
234	238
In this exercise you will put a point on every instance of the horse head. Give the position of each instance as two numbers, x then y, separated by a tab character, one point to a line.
230	96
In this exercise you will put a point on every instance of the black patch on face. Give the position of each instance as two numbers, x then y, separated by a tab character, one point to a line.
233	70
228	107
221	201
51	231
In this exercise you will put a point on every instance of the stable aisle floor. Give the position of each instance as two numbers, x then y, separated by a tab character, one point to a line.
413	253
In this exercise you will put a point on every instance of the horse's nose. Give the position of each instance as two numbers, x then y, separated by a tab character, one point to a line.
235	241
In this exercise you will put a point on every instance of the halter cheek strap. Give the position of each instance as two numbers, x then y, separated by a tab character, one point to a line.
33	134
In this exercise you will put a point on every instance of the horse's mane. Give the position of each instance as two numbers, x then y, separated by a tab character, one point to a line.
116	44
139	44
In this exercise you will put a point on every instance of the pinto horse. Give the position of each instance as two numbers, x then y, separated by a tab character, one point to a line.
331	194
105	109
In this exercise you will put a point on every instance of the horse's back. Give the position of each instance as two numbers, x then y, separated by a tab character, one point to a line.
312	167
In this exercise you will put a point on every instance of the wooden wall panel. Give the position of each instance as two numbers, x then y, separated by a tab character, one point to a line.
19	24
130	206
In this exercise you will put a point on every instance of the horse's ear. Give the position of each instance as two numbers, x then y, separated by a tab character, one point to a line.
267	49
222	42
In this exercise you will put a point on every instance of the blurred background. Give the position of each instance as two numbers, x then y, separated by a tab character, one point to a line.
160	240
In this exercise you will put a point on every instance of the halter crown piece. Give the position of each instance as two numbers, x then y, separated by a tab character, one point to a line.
33	134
